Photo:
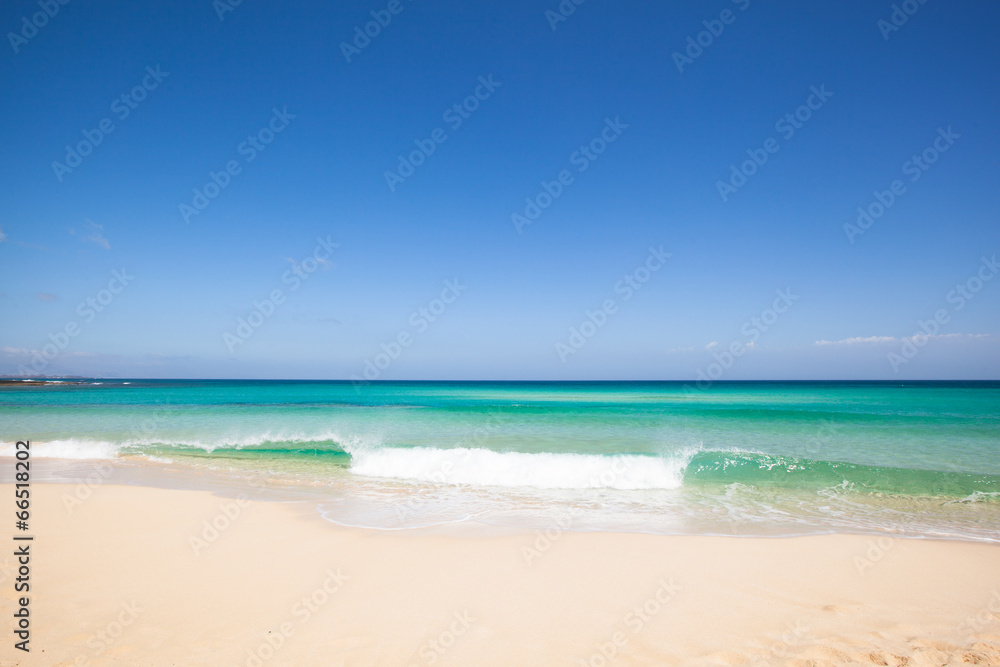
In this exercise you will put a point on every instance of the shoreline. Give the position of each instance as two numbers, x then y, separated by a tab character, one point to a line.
219	580
89	474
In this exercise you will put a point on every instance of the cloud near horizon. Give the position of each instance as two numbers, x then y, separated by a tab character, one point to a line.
874	340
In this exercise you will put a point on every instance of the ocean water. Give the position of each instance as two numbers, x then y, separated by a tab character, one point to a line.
918	459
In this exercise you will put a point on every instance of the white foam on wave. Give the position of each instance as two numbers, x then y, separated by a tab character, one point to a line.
977	497
67	449
484	467
246	441
84	448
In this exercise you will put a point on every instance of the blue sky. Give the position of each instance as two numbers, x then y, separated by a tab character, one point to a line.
641	146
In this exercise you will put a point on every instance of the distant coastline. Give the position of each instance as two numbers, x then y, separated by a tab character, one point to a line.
13	379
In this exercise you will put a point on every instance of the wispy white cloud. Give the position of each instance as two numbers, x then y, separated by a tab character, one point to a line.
877	340
858	339
46	296
92	233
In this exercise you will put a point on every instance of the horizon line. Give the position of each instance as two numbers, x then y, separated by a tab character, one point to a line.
380	381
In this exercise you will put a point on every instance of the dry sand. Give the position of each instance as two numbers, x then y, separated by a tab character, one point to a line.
117	581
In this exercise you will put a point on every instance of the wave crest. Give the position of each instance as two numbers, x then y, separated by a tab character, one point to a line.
263	443
67	449
484	467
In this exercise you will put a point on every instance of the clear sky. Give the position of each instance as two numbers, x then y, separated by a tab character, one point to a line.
620	123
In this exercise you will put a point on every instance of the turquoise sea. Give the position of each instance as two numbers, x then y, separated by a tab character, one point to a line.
919	459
